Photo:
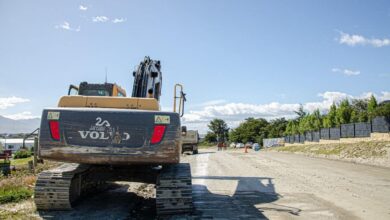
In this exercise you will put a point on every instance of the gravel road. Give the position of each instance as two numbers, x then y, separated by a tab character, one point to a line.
257	185
287	186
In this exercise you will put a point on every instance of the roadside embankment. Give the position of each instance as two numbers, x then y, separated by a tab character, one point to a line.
370	152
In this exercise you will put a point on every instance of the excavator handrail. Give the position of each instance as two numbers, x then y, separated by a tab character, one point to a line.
182	100
72	87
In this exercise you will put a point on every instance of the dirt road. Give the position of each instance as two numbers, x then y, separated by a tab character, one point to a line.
257	185
287	186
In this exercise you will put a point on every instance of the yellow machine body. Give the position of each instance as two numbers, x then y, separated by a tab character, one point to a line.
109	102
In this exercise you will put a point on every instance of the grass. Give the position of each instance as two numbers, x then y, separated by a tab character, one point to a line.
346	150
20	184
16	188
14	194
21	162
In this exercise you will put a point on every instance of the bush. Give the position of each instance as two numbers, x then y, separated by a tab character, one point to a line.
22	154
14	194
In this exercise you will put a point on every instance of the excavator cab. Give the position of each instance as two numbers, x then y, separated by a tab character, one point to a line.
92	89
145	95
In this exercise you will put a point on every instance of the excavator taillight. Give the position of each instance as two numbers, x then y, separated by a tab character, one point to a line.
55	130
158	134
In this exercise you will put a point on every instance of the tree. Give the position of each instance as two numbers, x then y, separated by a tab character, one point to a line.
316	120
304	124
344	113
277	127
359	110
330	120
301	113
210	137
371	106
382	110
219	128
292	127
251	129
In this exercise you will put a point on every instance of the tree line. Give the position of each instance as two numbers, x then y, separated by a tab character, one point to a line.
256	129
251	130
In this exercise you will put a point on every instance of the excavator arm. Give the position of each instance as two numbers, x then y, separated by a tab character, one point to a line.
147	79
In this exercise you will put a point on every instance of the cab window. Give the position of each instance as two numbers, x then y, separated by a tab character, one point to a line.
96	92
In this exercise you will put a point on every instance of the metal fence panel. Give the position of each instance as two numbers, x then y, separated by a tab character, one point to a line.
316	136
296	138
380	124
309	136
363	129
325	133
302	138
291	139
334	133
348	130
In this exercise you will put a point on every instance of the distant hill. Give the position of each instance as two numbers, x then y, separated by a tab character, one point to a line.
10	126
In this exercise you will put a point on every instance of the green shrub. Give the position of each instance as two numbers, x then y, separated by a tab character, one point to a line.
22	154
14	194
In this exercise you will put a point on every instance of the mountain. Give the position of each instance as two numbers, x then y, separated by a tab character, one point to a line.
10	126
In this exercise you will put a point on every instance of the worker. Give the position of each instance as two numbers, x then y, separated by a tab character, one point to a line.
246	147
220	145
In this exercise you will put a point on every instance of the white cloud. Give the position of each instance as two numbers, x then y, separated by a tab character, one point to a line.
83	8
346	72
354	39
208	103
119	20
235	113
11	101
384	96
214	102
100	19
66	26
21	116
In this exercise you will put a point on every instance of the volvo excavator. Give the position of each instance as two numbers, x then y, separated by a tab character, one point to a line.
101	135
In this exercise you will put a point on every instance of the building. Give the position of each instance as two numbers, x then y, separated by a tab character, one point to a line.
15	144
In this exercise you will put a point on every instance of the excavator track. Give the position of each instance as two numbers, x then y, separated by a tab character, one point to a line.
174	190
58	188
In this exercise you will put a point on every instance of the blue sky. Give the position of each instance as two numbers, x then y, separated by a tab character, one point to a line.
235	58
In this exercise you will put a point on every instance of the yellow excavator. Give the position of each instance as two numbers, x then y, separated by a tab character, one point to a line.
101	135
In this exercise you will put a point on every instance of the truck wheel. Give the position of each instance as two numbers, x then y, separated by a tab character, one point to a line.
195	152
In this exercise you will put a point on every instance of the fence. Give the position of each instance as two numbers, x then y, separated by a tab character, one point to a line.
347	130
274	142
362	129
380	124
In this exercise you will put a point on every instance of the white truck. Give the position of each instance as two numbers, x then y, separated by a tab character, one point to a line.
190	141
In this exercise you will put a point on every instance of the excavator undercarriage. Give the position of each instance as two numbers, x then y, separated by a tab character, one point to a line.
60	188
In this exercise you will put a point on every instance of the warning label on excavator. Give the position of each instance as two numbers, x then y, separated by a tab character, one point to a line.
162	119
53	115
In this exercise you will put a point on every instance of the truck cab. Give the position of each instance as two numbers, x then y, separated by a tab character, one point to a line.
190	141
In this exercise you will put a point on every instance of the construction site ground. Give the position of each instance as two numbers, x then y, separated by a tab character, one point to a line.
256	185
